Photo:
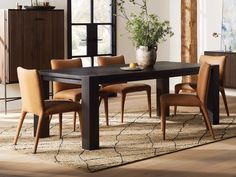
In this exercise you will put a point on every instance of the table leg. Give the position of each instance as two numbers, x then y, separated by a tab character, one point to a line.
90	113
162	87
213	95
45	124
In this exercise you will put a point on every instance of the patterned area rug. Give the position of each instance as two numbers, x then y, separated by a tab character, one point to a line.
137	139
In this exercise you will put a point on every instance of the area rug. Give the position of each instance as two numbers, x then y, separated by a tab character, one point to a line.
138	138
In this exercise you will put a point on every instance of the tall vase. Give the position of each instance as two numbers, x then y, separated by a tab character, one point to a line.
146	56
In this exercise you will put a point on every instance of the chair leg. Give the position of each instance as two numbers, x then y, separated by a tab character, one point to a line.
123	96
50	118
22	117
80	122
74	121
177	90
39	127
60	125
106	109
149	102
163	121
100	100
222	91
207	119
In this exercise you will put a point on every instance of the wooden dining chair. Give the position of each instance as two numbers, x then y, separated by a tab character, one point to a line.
191	87
63	90
32	102
199	100
123	88
71	91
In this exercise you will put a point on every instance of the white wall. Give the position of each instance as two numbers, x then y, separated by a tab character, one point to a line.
159	7
175	41
209	21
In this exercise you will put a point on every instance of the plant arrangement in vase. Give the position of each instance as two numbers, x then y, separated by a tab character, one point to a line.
146	30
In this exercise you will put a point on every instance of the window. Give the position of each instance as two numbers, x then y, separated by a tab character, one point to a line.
91	30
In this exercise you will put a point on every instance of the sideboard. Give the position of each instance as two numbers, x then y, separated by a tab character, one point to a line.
29	38
230	68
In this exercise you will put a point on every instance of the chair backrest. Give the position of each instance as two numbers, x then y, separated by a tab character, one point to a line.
61	64
203	82
218	60
30	89
111	61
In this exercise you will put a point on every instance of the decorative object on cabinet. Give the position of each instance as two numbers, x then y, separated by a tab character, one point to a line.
39	7
30	39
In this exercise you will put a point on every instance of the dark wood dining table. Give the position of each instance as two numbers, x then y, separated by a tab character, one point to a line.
92	77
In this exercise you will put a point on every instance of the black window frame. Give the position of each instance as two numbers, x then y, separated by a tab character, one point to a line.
94	48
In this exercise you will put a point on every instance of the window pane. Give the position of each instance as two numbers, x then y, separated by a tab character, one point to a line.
80	11
104	39
95	60
86	61
102	11
79	40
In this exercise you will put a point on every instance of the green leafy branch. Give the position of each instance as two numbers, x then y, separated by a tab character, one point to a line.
145	29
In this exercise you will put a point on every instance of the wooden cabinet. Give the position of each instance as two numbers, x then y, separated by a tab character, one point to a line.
230	68
29	38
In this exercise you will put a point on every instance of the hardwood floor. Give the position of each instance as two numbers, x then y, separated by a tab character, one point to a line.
217	159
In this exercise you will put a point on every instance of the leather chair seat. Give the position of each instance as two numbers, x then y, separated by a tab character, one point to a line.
180	100
186	87
59	106
70	94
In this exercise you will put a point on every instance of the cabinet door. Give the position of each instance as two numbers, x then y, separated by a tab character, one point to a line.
228	81
31	57
232	70
16	56
58	34
37	39
44	38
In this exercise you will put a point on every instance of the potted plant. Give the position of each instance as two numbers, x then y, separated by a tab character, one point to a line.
146	30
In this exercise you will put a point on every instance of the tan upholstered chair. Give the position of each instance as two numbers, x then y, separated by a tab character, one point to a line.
32	102
199	100
71	91
219	60
123	88
67	91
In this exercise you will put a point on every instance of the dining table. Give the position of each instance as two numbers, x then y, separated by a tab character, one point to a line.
91	78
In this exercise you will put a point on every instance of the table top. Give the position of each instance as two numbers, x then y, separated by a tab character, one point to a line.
160	69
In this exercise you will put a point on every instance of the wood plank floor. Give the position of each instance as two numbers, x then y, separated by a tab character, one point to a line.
216	160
